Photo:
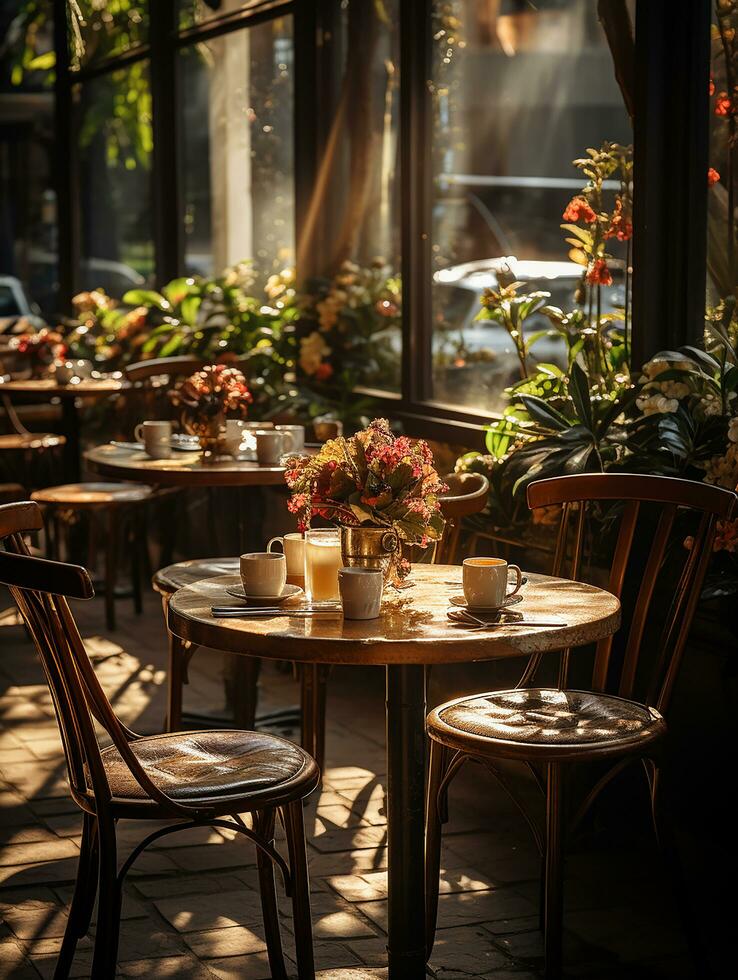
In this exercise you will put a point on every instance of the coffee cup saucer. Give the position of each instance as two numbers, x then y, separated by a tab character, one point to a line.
460	600
289	592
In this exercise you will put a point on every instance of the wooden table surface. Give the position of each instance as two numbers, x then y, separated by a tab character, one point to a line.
181	469
413	627
48	387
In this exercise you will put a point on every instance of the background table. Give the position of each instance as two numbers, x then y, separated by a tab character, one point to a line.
412	631
44	389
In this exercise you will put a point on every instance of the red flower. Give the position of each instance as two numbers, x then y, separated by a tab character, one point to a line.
621	227
599	274
723	105
323	371
712	86
712	176
578	209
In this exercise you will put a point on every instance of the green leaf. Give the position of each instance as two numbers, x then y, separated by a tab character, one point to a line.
145	297
579	394
190	306
544	414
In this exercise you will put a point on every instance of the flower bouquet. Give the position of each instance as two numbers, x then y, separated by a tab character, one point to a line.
40	349
206	398
381	489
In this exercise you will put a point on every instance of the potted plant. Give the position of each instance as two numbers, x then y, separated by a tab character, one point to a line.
381	489
206	398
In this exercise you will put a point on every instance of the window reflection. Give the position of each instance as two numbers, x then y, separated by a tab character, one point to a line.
101	29
115	146
237	151
518	92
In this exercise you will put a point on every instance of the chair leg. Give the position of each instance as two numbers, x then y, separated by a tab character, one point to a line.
105	954
264	824
83	899
553	908
175	683
320	693
295	831
436	771
111	569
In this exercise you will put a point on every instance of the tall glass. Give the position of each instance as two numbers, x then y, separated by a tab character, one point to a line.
322	561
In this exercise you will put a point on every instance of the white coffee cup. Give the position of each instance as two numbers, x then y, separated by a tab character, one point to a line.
271	444
263	573
361	592
298	436
293	548
233	436
485	581
156	437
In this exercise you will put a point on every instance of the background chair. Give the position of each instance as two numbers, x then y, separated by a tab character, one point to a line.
466	495
619	719
189	779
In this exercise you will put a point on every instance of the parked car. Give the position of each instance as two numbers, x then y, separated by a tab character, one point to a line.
15	306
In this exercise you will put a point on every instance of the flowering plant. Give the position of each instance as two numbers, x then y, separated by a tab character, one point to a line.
214	391
41	348
373	478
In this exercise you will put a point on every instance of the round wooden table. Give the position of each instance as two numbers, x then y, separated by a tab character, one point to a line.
412	631
181	469
44	389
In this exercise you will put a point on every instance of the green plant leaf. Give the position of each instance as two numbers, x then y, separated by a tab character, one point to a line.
145	297
579	394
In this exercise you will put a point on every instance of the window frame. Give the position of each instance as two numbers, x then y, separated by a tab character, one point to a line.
671	157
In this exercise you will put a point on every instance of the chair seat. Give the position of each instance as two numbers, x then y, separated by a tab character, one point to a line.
31	440
211	766
93	494
544	722
168	580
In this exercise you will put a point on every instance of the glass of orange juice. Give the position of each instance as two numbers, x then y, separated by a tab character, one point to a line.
322	561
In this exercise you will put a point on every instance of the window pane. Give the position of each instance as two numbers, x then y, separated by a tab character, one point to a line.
351	240
115	144
192	12
237	111
519	91
28	261
721	226
101	29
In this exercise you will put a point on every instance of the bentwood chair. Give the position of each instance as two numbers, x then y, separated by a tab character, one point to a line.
189	779
618	720
467	494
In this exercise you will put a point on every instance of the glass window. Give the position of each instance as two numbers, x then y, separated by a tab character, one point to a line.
193	12
237	152
519	91
350	240
721	230
28	261
115	145
100	29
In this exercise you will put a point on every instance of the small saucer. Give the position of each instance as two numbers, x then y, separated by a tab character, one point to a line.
459	600
289	592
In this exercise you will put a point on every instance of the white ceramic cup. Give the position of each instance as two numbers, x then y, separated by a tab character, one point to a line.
485	581
233	436
156	437
263	573
271	444
298	436
361	592
293	548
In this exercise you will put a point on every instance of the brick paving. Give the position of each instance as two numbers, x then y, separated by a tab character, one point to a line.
191	906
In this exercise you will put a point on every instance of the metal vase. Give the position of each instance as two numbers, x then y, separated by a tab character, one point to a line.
370	547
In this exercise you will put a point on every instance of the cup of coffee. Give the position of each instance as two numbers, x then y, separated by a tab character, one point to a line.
271	444
361	592
485	581
297	432
263	573
293	548
156	437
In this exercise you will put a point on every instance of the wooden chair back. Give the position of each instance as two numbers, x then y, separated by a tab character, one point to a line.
679	509
467	494
40	589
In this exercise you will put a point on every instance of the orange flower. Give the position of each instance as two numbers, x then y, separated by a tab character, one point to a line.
723	105
712	86
599	274
578	209
712	176
323	371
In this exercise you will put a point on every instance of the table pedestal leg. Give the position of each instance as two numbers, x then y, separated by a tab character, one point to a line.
70	427
405	820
